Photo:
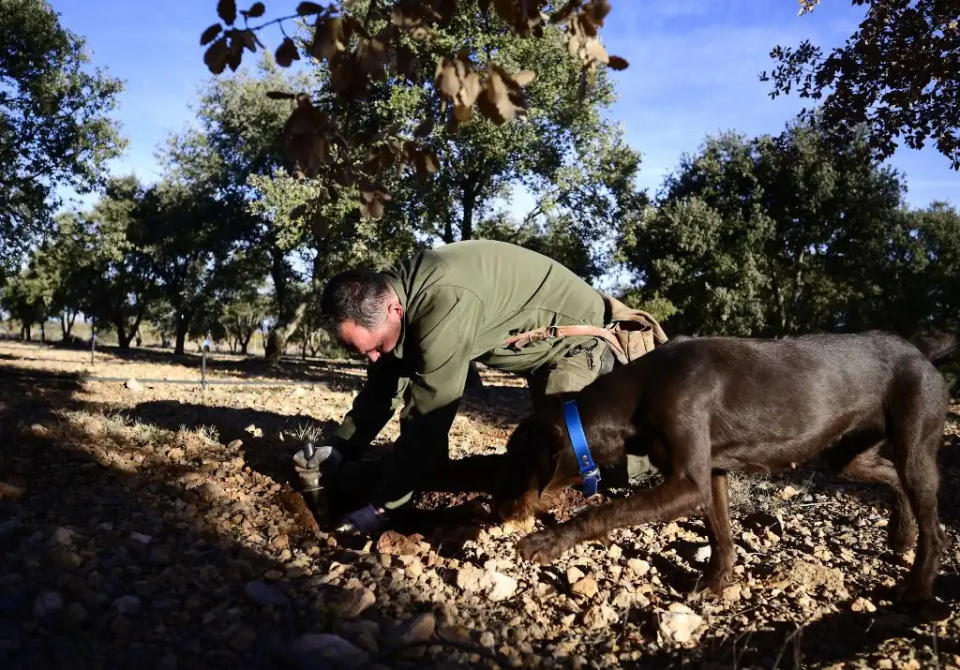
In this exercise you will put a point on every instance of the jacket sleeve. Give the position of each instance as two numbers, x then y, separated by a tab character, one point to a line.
444	336
373	406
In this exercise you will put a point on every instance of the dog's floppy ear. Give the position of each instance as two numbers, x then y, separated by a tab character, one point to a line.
548	461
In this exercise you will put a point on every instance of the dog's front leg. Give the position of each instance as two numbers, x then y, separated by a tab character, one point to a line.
678	495
719	571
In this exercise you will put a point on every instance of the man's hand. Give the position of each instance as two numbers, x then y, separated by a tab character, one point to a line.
325	459
367	520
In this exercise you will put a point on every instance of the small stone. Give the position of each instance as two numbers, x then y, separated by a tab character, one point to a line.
586	587
414	569
679	622
702	555
141	538
615	552
863	605
48	602
885	664
504	586
354	602
121	626
128	604
471	578
732	593
243	639
235	444
574	575
638	567
397	544
600	616
788	492
133	385
419	629
75	614
487	640
330	647
264	594
456	633
63	537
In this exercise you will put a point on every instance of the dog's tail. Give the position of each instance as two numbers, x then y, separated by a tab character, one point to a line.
937	346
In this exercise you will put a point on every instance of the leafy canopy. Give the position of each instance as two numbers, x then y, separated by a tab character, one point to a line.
898	75
55	129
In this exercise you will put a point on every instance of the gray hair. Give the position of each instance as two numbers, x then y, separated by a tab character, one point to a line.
356	295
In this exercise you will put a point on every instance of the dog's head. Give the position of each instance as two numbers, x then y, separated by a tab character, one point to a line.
536	463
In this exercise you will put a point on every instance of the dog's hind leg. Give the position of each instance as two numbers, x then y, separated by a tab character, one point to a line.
916	435
870	466
719	570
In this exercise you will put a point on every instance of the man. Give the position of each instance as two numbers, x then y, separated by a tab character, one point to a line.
422	323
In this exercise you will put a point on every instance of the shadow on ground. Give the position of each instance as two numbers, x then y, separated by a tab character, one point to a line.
106	565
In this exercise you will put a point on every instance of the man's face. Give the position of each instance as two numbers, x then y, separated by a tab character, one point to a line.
372	342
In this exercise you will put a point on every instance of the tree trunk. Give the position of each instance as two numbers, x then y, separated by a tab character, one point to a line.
183	321
123	341
469	201
26	329
281	332
43	331
244	341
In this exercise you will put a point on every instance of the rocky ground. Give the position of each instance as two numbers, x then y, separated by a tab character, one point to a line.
152	525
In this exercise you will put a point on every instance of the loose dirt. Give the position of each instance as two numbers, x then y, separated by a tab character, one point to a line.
155	526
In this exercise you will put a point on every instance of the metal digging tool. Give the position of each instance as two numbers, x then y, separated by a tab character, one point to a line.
311	486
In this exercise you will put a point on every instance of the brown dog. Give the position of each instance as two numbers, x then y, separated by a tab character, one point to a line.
872	404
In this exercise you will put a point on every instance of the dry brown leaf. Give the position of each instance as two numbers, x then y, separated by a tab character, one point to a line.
524	77
618	63
286	53
328	38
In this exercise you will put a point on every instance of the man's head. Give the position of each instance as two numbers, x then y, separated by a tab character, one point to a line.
363	311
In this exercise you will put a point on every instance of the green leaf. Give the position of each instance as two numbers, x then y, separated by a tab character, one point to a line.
227	10
210	33
308	8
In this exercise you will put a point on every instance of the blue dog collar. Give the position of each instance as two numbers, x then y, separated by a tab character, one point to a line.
589	470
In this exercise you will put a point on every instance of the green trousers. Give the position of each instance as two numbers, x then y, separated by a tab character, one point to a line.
574	371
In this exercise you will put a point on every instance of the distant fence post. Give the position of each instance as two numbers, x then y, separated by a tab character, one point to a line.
203	364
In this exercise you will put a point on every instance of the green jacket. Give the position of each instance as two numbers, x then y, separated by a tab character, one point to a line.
461	302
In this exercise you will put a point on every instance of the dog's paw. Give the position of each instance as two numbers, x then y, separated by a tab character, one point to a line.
524	525
543	547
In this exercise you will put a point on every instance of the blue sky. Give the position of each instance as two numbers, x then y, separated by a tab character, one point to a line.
693	72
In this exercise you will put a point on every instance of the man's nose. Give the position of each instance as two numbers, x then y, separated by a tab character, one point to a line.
373	356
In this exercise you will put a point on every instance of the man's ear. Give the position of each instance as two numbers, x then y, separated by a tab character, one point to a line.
395	308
